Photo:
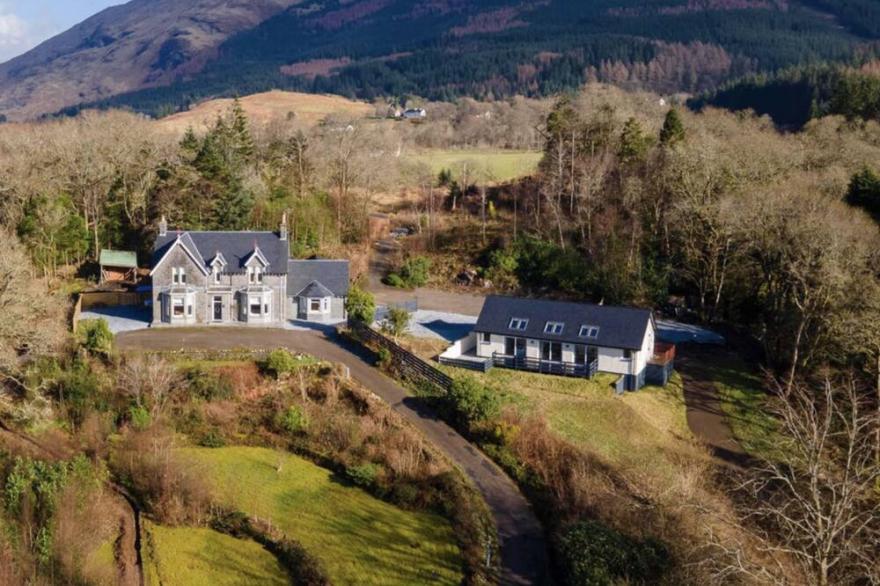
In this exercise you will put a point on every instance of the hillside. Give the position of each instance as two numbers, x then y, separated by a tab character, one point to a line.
159	56
309	109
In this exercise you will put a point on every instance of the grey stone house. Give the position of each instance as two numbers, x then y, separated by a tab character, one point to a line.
241	278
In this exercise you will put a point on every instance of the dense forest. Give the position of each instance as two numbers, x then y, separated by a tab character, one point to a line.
794	96
500	50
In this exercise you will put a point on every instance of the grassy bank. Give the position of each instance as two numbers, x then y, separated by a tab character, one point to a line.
196	557
358	538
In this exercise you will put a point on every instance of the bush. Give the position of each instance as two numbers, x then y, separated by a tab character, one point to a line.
384	359
77	389
595	555
292	420
363	475
281	362
360	306
415	271
472	402
397	322
207	384
140	417
95	336
395	280
212	439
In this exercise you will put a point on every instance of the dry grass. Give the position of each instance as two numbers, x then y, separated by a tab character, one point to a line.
262	109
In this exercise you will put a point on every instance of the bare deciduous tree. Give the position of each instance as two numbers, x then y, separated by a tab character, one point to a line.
149	381
816	501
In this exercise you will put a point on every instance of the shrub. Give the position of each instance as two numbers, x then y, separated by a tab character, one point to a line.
360	305
280	362
415	271
212	439
292	420
95	336
77	389
397	322
472	402
363	475
593	554
207	384
395	280
140	417
384	359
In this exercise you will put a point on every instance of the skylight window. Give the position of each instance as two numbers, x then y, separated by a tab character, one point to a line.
554	327
589	332
519	324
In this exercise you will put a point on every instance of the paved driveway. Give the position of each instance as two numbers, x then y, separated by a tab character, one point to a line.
441	325
122	318
523	549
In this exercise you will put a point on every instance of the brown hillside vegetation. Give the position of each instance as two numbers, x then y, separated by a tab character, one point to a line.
261	109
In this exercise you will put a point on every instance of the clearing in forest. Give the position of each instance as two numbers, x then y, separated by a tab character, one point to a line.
502	166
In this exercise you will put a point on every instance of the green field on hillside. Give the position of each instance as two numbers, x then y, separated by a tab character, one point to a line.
358	538
501	165
202	557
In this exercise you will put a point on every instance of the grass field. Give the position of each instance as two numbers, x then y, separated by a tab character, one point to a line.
202	557
502	165
358	538
647	428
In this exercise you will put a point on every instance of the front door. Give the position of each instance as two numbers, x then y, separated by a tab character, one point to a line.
551	351
218	309
520	347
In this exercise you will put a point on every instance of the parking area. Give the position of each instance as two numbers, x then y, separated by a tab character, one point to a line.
441	325
121	318
674	332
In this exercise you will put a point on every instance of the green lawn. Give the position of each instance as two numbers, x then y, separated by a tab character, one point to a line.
503	165
358	538
744	402
647	428
196	557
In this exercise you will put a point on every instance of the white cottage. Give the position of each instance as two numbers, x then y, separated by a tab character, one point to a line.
573	339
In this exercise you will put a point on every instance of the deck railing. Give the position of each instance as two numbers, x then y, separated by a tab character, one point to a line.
588	370
663	353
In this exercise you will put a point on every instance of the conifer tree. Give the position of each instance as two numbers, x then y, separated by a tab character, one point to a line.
673	131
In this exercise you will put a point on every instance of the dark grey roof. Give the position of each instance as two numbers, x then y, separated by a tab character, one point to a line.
331	274
619	327
235	247
315	289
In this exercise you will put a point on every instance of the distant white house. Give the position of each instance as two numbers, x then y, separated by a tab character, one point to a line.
415	114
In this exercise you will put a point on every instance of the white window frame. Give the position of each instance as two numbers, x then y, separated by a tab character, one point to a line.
518	324
178	276
485	338
554	328
312	301
175	303
216	275
590	332
263	301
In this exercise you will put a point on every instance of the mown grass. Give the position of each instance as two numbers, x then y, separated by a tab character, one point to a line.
645	428
203	557
502	165
358	538
744	402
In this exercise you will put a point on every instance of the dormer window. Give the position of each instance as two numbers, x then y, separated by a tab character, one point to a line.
255	275
589	332
519	324
178	276
554	327
216	275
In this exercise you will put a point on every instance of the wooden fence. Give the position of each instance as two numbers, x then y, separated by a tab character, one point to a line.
77	313
406	362
90	299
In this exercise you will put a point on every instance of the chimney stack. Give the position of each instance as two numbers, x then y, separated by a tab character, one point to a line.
163	227
283	230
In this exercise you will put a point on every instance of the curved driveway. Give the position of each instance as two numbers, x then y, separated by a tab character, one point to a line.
523	549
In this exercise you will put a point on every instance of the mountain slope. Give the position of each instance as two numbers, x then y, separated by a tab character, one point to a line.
158	56
125	48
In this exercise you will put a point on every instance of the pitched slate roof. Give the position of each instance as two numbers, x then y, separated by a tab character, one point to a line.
330	274
619	327
235	247
315	289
